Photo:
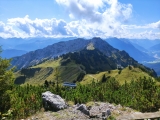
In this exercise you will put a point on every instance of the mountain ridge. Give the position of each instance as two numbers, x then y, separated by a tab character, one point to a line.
60	48
124	44
9	53
76	66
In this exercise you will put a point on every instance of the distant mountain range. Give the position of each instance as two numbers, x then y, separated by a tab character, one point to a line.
155	48
9	53
29	44
141	50
124	44
155	66
36	50
145	43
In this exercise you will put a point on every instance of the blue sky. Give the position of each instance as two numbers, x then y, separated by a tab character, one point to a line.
80	18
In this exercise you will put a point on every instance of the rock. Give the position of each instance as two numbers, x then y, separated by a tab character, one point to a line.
108	112
94	111
103	110
83	109
52	102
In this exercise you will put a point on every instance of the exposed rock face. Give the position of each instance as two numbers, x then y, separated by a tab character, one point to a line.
83	109
52	102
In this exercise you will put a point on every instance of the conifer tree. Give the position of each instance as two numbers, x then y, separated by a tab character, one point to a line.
6	83
57	75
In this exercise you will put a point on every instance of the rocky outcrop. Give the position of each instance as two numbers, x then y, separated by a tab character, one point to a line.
97	111
52	102
101	110
83	109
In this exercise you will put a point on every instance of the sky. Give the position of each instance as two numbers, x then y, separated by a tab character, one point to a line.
139	19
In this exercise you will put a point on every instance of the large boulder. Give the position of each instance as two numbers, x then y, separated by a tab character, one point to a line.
52	102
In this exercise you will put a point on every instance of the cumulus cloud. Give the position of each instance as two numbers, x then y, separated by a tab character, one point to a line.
39	27
97	10
7	31
155	25
82	9
99	17
103	18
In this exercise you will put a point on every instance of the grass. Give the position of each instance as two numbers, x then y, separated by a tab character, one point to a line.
91	103
49	63
70	103
125	75
67	73
70	72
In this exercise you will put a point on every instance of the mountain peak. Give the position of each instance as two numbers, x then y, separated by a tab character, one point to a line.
90	46
95	39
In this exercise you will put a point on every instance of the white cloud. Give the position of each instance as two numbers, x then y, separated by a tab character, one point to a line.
7	31
97	10
103	18
155	25
39	27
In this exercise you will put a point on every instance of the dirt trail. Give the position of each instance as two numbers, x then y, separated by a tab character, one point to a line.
138	115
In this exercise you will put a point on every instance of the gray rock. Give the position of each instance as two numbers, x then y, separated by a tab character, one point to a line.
108	112
101	111
52	101
94	111
83	109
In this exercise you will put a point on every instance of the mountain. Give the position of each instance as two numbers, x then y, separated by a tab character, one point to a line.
60	48
51	51
145	43
74	66
91	60
155	47
140	48
29	44
10	43
9	53
123	44
94	60
154	65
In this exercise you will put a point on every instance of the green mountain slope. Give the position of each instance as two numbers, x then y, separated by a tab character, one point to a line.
91	60
45	71
73	67
127	74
